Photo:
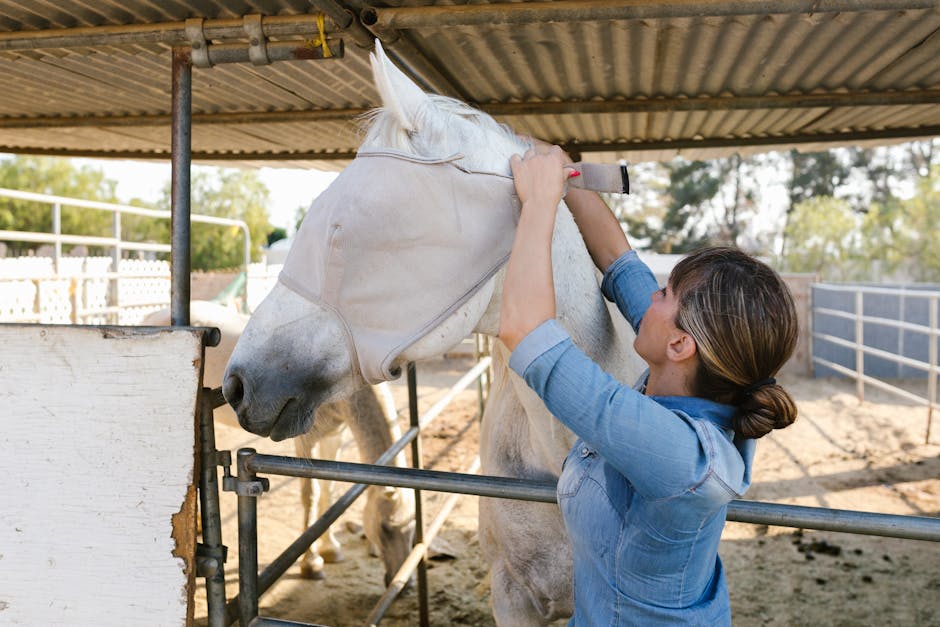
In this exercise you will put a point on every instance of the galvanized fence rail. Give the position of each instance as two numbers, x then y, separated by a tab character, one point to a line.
857	343
116	243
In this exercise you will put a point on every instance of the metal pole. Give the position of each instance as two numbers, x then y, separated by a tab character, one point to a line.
212	546
288	556
247	540
116	263
169	33
868	523
932	373
57	232
594	10
501	109
181	150
859	343
424	617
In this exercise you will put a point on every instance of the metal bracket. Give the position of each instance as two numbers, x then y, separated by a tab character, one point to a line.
246	488
209	559
197	41
257	43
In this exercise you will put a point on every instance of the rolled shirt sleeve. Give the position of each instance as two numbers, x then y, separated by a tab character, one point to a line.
629	283
657	449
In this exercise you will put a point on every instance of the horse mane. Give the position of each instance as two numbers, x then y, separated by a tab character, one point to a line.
446	126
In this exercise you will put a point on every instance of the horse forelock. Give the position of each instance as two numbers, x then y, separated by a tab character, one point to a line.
446	126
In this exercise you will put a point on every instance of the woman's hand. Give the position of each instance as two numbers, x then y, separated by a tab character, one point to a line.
540	175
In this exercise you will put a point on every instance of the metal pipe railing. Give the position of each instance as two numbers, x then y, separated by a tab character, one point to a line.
860	349
260	583
57	238
847	521
522	13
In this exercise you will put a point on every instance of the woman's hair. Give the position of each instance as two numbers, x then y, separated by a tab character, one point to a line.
741	315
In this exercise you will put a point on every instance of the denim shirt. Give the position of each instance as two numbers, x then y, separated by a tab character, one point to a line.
644	491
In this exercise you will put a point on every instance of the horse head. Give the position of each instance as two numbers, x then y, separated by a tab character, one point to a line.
302	346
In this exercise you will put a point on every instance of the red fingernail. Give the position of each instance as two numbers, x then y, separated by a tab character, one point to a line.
574	174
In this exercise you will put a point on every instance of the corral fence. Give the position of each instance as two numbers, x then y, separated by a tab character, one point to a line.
874	334
90	290
249	486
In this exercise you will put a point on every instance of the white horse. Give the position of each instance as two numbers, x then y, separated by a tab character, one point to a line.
370	415
294	356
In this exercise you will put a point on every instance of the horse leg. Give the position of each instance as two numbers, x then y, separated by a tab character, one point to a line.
328	545
311	564
315	498
530	562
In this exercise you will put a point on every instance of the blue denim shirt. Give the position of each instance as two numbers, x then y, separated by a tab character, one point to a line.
644	490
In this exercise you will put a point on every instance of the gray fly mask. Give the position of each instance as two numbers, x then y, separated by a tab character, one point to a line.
397	243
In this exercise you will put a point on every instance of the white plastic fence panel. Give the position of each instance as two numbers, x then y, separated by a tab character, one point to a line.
97	433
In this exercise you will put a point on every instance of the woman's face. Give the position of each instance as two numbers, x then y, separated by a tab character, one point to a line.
658	327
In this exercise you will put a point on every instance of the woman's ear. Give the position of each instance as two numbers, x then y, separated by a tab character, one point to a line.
681	347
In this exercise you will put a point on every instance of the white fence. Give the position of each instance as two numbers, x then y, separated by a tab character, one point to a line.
87	290
852	338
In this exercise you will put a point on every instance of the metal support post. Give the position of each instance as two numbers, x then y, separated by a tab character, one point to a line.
248	487
859	346
424	617
932	360
212	551
181	156
114	283
57	232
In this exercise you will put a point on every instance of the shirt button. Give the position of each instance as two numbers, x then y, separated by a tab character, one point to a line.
584	451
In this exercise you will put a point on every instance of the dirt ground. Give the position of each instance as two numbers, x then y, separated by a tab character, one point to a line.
840	454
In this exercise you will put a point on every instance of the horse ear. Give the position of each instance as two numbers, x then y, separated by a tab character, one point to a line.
400	95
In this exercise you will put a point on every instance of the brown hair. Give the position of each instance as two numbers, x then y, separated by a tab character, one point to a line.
741	315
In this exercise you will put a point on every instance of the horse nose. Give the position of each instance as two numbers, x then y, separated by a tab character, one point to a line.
233	389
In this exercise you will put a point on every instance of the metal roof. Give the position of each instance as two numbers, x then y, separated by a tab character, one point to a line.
630	79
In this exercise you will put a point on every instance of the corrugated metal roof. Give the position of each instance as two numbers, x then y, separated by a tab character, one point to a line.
627	80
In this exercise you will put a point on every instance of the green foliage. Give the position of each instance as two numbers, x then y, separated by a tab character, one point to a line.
47	175
277	234
824	232
912	232
895	239
816	174
237	194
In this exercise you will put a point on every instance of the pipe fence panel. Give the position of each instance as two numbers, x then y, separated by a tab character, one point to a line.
873	333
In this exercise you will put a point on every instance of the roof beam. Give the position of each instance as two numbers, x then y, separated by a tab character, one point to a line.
594	10
614	106
169	33
836	138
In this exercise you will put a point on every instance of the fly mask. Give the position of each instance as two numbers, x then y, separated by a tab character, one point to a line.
397	243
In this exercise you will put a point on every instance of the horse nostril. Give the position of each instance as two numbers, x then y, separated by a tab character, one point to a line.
233	390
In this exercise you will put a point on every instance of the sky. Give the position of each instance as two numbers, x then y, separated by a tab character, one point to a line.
289	187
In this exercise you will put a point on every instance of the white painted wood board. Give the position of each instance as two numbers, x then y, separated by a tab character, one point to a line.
97	456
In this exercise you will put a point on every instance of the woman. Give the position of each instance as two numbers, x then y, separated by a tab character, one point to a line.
644	490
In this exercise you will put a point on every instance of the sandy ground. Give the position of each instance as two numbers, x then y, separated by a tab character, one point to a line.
840	454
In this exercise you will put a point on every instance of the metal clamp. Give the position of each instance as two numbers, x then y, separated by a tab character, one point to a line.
209	559
257	43
197	41
256	487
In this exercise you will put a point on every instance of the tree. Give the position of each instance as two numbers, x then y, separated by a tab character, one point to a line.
824	236
237	194
60	177
916	237
692	185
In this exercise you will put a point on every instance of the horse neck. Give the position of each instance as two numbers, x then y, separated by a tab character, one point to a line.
580	307
372	429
